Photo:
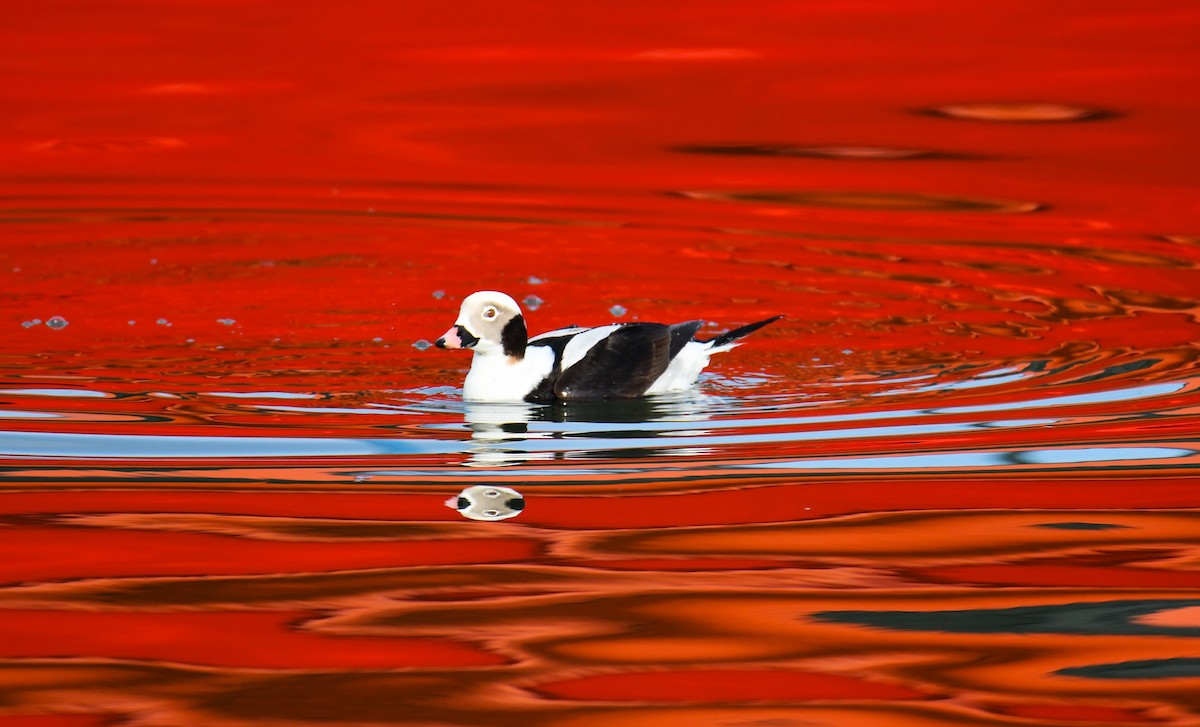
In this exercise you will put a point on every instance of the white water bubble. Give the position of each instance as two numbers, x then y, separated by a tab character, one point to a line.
32	323
532	302
535	280
422	344
618	310
439	294
163	322
56	323
226	321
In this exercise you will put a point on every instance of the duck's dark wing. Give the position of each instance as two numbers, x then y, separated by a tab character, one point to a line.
681	334
556	341
620	366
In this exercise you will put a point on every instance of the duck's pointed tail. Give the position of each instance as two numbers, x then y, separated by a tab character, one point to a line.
726	341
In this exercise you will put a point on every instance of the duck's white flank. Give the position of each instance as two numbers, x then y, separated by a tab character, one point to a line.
684	370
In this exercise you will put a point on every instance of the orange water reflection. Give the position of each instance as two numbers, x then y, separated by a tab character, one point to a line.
956	485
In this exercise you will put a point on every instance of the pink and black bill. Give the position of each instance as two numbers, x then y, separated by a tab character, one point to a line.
456	337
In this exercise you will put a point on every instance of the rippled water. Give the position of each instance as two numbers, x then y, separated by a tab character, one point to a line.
955	485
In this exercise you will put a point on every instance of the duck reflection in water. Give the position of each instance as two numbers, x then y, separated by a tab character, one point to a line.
509	433
487	502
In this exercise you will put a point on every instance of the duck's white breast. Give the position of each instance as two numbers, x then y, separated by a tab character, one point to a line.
496	377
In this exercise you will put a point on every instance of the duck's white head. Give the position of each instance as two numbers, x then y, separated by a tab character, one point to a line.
488	322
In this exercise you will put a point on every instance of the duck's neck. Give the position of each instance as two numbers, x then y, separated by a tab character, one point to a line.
514	338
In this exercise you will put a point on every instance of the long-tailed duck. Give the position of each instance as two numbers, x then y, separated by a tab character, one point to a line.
617	361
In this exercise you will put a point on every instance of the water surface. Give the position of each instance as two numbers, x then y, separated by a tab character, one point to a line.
955	485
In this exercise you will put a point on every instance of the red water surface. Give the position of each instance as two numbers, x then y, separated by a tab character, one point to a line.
55	720
722	686
46	553
980	223
205	638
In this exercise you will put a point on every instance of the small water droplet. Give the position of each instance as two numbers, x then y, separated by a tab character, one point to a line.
535	280
56	323
32	323
132	323
163	322
377	339
191	340
532	302
154	261
422	344
618	310
847	351
439	294
226	321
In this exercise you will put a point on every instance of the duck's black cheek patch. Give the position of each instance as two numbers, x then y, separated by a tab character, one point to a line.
514	337
463	503
516	503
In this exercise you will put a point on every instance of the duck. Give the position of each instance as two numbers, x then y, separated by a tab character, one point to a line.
602	363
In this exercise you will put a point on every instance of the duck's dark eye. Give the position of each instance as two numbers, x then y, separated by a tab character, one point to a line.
463	503
489	314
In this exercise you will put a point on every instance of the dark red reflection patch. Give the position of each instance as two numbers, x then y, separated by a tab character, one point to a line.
722	685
